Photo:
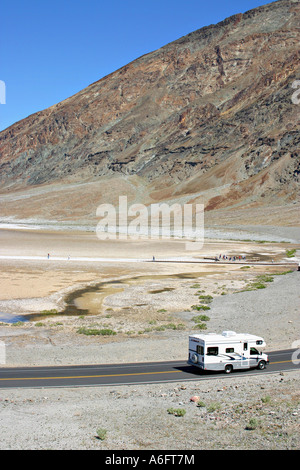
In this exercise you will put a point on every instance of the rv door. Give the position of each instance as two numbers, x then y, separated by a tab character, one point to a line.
245	361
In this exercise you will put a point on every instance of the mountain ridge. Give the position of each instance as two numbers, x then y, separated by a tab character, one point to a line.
208	116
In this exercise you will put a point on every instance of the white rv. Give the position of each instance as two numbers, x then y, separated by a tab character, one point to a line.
227	351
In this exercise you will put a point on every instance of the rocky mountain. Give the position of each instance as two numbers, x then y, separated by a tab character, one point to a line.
209	117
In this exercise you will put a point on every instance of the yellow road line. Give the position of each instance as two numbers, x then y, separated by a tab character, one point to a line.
279	362
90	376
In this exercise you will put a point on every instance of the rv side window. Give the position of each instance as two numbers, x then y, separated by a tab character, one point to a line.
212	351
229	350
245	346
200	350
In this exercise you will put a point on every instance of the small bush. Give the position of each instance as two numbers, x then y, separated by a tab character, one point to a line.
265	278
200	307
95	332
206	299
200	318
201	404
257	285
159	328
176	411
101	433
173	326
290	253
200	326
266	399
213	407
253	424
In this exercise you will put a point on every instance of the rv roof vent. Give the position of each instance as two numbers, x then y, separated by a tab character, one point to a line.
228	333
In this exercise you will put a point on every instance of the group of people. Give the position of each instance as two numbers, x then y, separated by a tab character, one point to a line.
233	258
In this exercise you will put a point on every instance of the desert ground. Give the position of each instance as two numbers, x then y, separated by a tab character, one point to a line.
47	303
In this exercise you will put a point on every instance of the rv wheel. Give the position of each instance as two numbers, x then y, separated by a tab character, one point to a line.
261	365
228	368
194	358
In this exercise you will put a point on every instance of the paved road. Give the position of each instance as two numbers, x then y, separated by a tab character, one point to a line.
120	374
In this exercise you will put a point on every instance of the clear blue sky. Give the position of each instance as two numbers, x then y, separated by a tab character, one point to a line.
50	50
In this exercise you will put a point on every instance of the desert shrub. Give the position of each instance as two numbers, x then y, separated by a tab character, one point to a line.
200	326
266	399
95	332
201	404
101	433
213	407
200	307
176	411
265	278
206	299
18	323
253	424
200	318
173	326
290	253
